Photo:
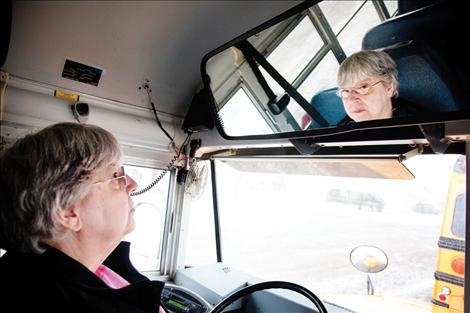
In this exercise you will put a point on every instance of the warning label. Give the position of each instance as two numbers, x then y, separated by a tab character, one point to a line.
82	73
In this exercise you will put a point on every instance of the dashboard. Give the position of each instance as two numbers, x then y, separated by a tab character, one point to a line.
178	299
199	289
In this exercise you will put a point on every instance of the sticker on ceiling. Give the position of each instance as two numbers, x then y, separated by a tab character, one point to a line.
83	73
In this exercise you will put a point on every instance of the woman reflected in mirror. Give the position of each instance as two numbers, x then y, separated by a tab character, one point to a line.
368	87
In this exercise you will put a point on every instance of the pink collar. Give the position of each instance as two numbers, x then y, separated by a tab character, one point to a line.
110	277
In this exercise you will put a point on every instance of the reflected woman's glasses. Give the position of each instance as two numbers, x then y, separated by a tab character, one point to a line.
363	89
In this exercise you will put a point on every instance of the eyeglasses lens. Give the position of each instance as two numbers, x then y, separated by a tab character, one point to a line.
362	90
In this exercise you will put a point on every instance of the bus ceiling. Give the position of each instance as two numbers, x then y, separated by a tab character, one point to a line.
105	52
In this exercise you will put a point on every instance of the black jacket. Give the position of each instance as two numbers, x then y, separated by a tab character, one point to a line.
54	282
400	108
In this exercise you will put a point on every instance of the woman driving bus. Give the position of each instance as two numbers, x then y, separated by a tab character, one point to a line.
65	207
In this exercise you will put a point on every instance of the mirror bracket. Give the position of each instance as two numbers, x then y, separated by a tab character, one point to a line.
305	146
199	117
434	133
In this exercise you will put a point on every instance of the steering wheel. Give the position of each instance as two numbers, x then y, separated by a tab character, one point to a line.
269	285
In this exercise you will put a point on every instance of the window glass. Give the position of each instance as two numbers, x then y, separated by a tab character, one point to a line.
149	218
338	13
294	53
201	235
392	7
241	117
350	38
321	78
281	223
458	221
324	75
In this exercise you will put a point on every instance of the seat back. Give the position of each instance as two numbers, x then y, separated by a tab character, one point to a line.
405	6
439	31
329	105
438	24
425	79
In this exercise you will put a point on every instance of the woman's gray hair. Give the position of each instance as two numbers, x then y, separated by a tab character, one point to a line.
44	173
363	64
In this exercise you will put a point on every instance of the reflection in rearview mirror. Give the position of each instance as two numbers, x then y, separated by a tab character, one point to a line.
287	77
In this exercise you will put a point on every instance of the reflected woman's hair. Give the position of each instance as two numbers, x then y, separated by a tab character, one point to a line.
367	63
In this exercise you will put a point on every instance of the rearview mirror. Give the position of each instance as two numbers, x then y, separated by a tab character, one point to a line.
279	79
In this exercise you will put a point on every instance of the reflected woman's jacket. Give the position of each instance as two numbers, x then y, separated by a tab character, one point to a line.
400	108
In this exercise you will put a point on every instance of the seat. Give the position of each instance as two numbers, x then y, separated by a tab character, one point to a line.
405	6
425	79
329	105
438	24
437	50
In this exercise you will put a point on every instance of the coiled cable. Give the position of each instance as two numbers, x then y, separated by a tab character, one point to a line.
163	173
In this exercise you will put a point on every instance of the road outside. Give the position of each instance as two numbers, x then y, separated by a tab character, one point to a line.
281	227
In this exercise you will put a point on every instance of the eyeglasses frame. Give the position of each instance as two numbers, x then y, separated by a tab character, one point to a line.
339	91
124	175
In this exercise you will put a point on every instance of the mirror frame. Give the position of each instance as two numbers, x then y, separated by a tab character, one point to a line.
388	127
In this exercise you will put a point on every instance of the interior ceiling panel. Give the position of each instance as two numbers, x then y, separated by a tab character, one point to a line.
163	41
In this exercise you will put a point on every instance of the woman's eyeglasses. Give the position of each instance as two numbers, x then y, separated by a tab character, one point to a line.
119	179
363	90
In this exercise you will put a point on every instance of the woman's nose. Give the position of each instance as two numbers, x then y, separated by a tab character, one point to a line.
131	185
353	94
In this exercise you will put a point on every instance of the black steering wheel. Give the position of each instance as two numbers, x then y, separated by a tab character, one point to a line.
270	285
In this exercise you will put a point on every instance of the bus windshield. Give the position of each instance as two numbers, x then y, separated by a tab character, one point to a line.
302	228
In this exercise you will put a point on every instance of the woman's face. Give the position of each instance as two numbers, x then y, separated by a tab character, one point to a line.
367	99
107	211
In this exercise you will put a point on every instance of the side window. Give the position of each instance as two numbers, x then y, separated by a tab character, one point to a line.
392	7
200	245
350	29
288	61
316	82
458	220
294	55
149	218
244	116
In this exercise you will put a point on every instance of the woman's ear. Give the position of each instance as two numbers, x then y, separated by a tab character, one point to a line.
70	218
390	89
